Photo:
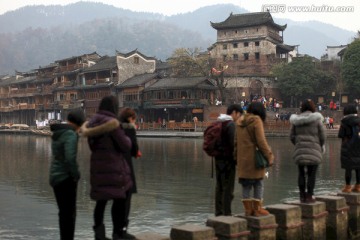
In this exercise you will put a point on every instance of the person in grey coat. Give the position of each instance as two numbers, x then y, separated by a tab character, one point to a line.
308	136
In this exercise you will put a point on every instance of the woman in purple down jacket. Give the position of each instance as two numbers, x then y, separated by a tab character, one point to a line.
110	175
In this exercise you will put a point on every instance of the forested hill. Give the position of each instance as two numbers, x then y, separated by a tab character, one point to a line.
38	35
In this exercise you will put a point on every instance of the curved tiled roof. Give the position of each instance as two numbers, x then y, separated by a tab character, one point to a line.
181	83
104	63
247	20
137	80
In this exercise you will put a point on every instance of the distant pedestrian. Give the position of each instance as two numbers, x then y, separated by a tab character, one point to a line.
308	136
64	170
350	147
110	175
331	123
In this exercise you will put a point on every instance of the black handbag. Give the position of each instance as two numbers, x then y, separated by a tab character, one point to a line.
260	160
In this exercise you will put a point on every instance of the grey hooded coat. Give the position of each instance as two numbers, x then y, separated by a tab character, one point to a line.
308	136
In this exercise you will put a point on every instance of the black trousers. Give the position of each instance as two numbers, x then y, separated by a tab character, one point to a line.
118	214
65	194
348	176
307	178
224	192
127	208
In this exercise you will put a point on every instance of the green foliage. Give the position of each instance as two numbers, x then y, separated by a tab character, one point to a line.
350	68
301	78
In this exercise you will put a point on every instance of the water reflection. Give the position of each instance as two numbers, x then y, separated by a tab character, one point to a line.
174	184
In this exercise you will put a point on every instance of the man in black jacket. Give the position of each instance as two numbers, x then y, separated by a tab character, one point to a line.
225	164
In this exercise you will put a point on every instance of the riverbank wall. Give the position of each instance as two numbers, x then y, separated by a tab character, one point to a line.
330	133
334	216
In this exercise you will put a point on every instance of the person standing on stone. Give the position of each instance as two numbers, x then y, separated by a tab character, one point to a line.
308	135
249	136
127	120
350	147
64	170
110	175
224	163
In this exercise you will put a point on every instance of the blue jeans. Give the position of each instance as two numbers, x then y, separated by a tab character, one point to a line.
249	184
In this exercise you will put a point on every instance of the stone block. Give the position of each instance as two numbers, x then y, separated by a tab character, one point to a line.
227	227
261	227
313	215
151	236
337	219
288	218
192	232
353	201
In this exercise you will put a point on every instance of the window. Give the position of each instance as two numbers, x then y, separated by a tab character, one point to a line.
62	97
235	45
224	57
136	60
130	96
235	31
224	46
235	57
257	43
246	44
73	96
257	55
246	56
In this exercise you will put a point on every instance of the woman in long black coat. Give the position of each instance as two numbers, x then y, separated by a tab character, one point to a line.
128	119
350	147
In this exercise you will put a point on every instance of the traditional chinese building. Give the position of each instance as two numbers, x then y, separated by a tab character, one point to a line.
247	46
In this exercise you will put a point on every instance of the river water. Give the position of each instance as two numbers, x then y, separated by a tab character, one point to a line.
174	184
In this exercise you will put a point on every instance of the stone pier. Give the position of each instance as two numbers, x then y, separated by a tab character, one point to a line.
353	201
314	218
288	218
337	220
330	217
261	227
229	228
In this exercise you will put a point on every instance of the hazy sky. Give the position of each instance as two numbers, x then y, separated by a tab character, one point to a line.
334	12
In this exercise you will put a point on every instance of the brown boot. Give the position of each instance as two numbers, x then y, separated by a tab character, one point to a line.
248	206
258	209
356	188
346	189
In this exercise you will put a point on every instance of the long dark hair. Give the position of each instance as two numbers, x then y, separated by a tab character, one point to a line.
257	108
307	105
110	104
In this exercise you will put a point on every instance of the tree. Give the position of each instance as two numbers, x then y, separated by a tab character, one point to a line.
194	63
301	79
350	67
186	62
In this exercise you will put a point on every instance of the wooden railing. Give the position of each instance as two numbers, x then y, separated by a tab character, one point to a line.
269	126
